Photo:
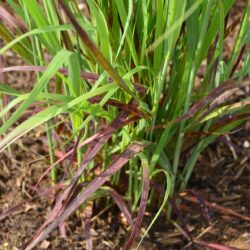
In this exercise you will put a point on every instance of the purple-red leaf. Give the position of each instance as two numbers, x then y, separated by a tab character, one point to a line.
230	84
95	137
96	53
203	206
85	75
212	245
92	150
122	206
11	20
143	203
221	209
116	165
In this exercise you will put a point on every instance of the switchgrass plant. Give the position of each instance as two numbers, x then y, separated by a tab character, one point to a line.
143	84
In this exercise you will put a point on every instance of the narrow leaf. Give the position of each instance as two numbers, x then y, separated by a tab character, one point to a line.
142	207
96	52
116	165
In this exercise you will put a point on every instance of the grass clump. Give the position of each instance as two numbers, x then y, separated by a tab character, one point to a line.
135	79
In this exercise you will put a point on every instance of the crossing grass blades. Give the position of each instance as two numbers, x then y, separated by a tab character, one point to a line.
134	79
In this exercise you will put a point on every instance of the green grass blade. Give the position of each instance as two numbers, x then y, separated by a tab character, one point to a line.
54	66
35	32
97	53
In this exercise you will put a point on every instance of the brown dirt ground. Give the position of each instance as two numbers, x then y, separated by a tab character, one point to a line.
221	176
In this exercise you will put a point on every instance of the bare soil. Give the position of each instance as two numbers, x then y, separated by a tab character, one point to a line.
221	177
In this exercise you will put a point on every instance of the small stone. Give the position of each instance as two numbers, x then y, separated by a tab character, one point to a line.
45	244
246	144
